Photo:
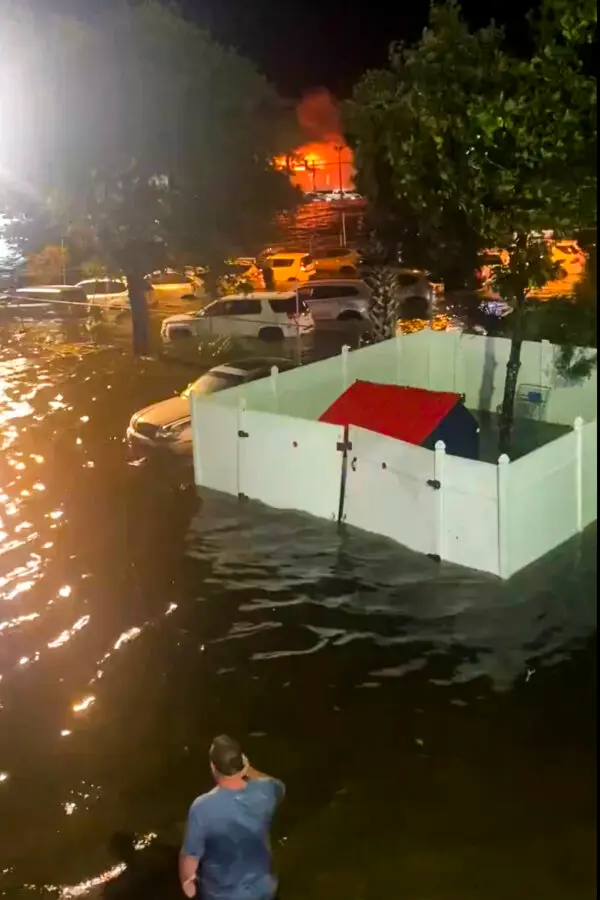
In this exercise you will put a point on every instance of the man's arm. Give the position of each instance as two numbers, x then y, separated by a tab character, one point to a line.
191	852
252	774
188	866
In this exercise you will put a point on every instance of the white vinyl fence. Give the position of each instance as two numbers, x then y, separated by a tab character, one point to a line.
262	441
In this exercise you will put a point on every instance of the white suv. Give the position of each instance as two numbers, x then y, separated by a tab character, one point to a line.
335	298
270	316
348	299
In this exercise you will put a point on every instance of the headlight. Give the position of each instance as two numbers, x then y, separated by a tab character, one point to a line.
172	432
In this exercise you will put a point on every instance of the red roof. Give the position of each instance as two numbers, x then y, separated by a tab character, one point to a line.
405	413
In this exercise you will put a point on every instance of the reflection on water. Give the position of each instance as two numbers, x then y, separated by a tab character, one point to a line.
450	712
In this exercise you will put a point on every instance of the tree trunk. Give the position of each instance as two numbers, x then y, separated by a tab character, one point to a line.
507	413
140	319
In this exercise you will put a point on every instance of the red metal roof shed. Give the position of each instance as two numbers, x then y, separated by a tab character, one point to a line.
413	415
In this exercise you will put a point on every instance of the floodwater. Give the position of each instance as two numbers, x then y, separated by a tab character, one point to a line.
435	728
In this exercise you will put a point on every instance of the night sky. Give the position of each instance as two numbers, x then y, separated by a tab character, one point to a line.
320	43
324	43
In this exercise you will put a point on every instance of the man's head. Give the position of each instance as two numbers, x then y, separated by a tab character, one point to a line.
226	757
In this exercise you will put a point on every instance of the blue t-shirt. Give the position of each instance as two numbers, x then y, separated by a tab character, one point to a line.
228	831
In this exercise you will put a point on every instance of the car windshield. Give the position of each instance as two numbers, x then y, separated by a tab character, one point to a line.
212	382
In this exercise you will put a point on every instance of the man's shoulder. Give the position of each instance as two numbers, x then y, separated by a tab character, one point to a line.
267	786
205	800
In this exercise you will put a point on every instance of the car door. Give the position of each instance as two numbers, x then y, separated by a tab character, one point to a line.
246	317
326	301
214	319
116	294
95	291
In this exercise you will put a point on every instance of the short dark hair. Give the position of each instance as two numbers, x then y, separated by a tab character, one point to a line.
226	755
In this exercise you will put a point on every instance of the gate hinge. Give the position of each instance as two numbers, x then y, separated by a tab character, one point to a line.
243	434
434	483
343	446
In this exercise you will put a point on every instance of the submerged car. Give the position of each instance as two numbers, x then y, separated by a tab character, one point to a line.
270	316
167	423
54	301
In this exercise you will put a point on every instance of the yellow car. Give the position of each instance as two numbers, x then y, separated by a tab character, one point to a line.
289	267
569	255
337	260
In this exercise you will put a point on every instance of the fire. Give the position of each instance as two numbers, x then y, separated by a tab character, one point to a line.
325	162
320	166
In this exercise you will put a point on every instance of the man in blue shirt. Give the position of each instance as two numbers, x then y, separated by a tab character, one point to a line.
226	851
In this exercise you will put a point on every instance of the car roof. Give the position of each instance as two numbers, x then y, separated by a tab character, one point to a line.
258	295
49	288
288	253
250	364
319	282
101	278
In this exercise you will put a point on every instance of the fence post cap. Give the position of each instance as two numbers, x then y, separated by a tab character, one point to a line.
578	423
503	459
274	370
345	349
440	447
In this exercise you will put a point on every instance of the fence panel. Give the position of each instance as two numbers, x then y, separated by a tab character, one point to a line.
290	463
589	473
215	439
541	501
387	491
470	507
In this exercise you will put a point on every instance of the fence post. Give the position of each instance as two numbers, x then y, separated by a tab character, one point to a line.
547	369
275	387
399	349
439	459
503	474
344	355
239	443
577	427
429	337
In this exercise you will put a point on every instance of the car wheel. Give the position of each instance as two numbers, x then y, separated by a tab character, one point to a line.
270	334
349	315
348	271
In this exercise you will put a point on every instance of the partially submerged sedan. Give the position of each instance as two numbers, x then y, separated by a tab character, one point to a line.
167	424
55	301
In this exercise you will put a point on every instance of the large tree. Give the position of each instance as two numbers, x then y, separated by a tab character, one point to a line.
462	146
140	133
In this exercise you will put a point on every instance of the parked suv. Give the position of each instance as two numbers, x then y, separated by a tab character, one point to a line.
268	316
333	298
348	299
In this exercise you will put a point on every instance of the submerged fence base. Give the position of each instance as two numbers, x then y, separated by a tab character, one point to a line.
263	441
495	518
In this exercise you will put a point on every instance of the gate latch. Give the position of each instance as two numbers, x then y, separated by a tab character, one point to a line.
243	434
434	483
343	446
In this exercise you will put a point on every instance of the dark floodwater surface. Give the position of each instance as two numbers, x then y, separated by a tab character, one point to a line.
435	728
